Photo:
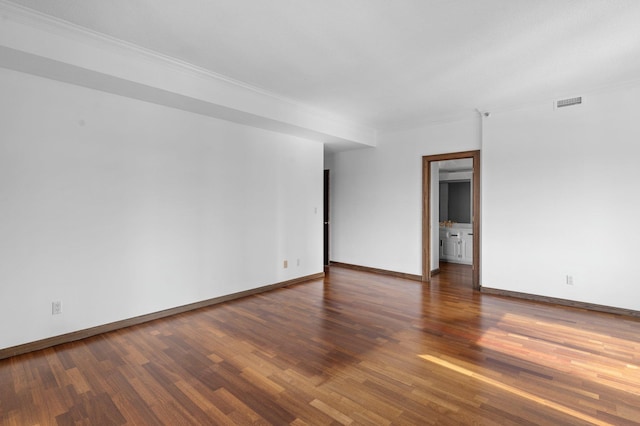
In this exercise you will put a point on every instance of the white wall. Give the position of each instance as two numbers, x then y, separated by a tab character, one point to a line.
376	195
560	196
120	208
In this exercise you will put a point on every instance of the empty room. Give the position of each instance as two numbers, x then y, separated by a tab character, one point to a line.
305	212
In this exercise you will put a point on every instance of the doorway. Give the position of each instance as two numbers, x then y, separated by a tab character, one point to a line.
429	217
326	218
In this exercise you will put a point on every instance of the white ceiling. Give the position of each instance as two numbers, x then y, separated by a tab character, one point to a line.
382	63
460	165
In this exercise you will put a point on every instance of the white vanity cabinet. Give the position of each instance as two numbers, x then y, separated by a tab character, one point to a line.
456	245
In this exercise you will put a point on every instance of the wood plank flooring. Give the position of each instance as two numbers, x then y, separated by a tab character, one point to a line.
354	348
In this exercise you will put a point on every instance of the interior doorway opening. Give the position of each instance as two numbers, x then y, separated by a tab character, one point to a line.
326	219
431	214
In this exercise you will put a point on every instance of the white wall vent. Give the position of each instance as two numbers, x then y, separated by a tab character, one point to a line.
569	102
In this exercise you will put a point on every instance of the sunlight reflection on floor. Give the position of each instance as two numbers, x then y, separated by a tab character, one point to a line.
513	390
580	358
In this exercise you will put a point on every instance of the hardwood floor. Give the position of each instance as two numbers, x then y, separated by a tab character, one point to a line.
354	348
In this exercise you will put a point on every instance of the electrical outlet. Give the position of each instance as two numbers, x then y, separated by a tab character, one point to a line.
286	264
56	307
569	280
298	262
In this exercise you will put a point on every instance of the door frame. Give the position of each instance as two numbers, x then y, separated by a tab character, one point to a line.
426	212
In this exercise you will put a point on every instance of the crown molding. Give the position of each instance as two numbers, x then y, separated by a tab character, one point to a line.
41	35
32	17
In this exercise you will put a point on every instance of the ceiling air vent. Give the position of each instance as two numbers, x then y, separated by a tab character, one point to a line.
569	102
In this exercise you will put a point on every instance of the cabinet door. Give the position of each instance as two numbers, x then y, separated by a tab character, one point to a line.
450	248
466	247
